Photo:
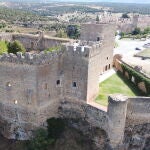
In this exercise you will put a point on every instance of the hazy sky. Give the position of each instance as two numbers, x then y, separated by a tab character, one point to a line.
129	1
120	1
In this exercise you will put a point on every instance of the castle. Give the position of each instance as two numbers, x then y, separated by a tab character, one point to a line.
38	86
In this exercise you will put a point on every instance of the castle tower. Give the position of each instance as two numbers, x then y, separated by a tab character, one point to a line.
101	33
135	20
117	110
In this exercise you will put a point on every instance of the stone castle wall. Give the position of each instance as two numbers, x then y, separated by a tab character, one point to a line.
34	42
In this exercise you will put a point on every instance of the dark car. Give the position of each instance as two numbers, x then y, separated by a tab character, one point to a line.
137	48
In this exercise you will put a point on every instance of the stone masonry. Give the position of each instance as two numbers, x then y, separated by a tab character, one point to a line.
35	87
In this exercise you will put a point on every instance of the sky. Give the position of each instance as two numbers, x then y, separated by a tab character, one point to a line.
119	1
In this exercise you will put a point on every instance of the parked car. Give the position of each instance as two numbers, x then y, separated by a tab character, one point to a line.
137	48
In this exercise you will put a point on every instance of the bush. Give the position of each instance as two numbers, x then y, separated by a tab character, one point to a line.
15	47
40	141
61	34
125	15
136	31
55	127
138	77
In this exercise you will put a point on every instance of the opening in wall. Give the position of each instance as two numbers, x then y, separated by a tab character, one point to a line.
74	84
58	82
98	38
8	84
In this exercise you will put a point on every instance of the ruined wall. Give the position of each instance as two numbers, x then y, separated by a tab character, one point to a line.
34	42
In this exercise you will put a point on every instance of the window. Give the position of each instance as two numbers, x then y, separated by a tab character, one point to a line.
74	84
107	58
8	84
15	102
98	38
58	82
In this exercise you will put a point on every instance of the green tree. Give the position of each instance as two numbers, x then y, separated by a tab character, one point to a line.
61	34
146	30
55	127
97	18
15	47
125	15
40	141
136	31
122	34
73	31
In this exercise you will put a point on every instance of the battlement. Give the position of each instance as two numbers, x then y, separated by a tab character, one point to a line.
31	59
83	48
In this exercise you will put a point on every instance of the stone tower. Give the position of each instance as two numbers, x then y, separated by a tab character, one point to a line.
104	33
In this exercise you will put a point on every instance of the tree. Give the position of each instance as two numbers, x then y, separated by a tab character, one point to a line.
136	31
122	34
73	31
40	141
125	15
146	30
61	34
97	18
15	47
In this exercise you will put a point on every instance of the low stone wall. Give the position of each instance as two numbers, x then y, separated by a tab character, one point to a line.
141	85
138	111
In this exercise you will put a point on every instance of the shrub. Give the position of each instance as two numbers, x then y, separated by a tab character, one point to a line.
136	31
15	47
40	141
138	77
125	15
55	127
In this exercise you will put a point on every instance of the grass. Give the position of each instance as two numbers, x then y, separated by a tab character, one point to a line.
116	84
3	47
144	53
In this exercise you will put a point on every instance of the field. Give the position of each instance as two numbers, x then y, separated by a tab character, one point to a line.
3	47
116	85
144	53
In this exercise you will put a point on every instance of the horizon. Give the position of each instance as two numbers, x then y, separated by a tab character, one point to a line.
94	1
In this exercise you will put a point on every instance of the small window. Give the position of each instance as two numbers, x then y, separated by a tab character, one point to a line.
74	84
15	102
107	58
8	84
58	82
98	38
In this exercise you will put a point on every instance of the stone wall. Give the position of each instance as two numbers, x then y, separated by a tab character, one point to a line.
140	85
34	42
104	33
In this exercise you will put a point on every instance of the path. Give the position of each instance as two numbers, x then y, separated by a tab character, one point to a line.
106	75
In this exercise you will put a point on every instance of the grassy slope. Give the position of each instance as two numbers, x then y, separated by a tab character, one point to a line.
3	47
116	84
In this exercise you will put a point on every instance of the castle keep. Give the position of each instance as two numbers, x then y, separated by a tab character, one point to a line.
38	86
33	84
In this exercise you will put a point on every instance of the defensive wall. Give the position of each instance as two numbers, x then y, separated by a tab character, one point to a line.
35	87
34	42
140	83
